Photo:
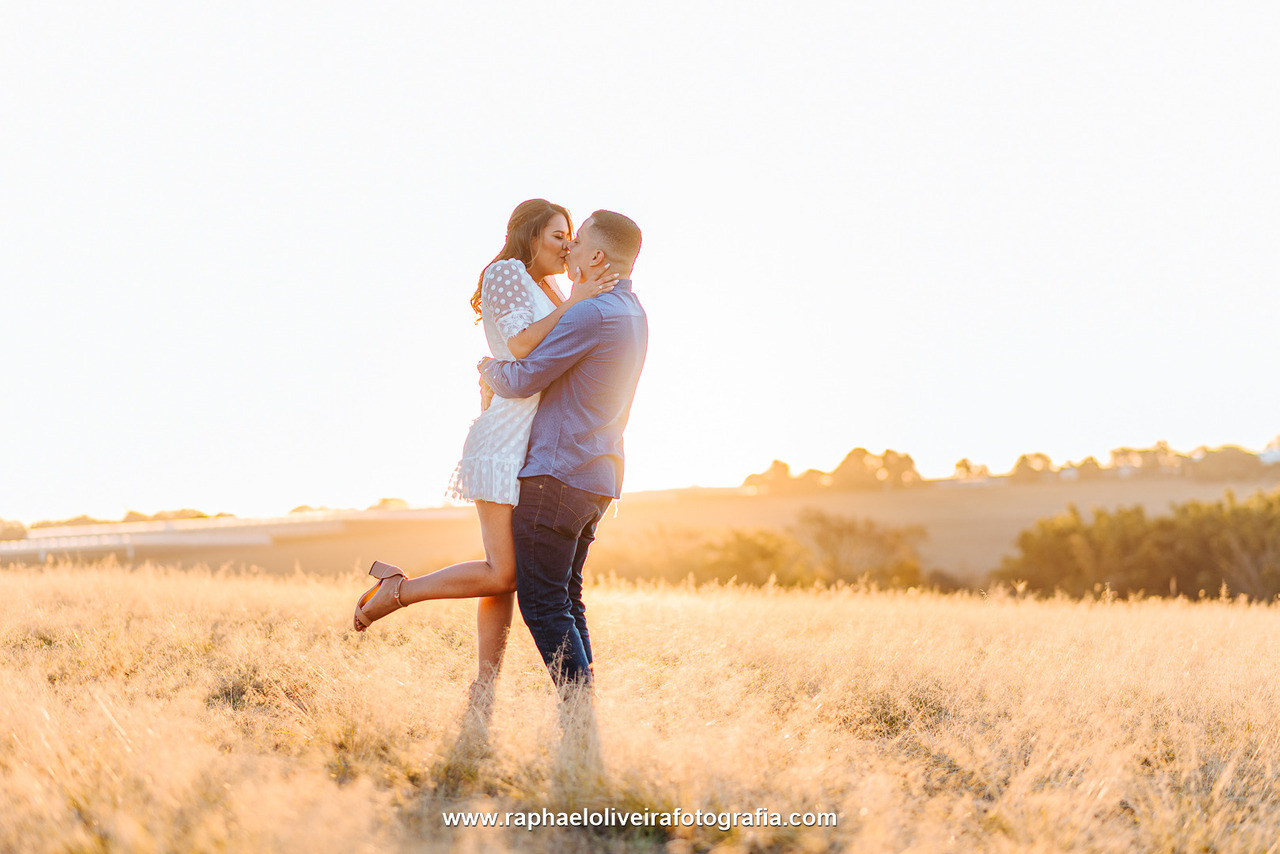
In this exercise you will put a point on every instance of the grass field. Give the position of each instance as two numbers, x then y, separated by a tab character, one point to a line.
154	710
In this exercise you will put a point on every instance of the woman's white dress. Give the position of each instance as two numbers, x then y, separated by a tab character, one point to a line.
495	448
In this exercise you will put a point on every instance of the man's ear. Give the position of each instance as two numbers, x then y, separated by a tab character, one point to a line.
598	257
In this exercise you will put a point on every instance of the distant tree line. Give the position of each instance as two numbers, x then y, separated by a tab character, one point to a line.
12	530
1198	548
380	504
860	469
863	470
18	531
78	520
1227	464
134	516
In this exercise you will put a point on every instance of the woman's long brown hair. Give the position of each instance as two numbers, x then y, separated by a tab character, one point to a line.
523	230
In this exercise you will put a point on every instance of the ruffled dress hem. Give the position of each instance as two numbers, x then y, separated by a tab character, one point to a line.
486	479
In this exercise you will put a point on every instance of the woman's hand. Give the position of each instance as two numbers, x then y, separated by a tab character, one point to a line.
587	288
486	391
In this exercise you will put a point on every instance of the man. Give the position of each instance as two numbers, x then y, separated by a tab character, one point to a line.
587	369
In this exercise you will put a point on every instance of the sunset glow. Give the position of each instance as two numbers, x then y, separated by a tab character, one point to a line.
240	241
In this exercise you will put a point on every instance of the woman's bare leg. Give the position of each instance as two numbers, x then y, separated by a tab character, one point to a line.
491	579
493	614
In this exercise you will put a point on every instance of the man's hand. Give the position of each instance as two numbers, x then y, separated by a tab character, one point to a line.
486	390
600	282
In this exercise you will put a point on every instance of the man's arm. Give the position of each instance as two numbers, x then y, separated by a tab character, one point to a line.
571	339
527	340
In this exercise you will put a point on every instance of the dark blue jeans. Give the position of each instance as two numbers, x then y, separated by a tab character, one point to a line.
554	525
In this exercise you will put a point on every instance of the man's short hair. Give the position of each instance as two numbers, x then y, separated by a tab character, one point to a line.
619	234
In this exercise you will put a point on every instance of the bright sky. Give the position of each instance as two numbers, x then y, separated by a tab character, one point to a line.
237	240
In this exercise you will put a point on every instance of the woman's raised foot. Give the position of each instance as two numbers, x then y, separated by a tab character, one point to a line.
380	599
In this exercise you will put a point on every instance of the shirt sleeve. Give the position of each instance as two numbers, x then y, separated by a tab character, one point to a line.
567	344
505	299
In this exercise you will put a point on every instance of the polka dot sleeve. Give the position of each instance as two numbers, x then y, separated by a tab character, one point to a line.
505	297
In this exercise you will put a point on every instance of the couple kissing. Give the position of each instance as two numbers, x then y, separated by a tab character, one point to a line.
544	459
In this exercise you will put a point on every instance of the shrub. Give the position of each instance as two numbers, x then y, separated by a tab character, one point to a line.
820	548
1200	546
852	550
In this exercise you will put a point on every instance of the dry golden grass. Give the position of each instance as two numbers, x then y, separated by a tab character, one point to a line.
153	710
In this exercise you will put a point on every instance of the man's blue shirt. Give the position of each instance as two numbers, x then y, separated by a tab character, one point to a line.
587	369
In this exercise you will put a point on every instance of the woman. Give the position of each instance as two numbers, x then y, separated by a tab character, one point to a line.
519	305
